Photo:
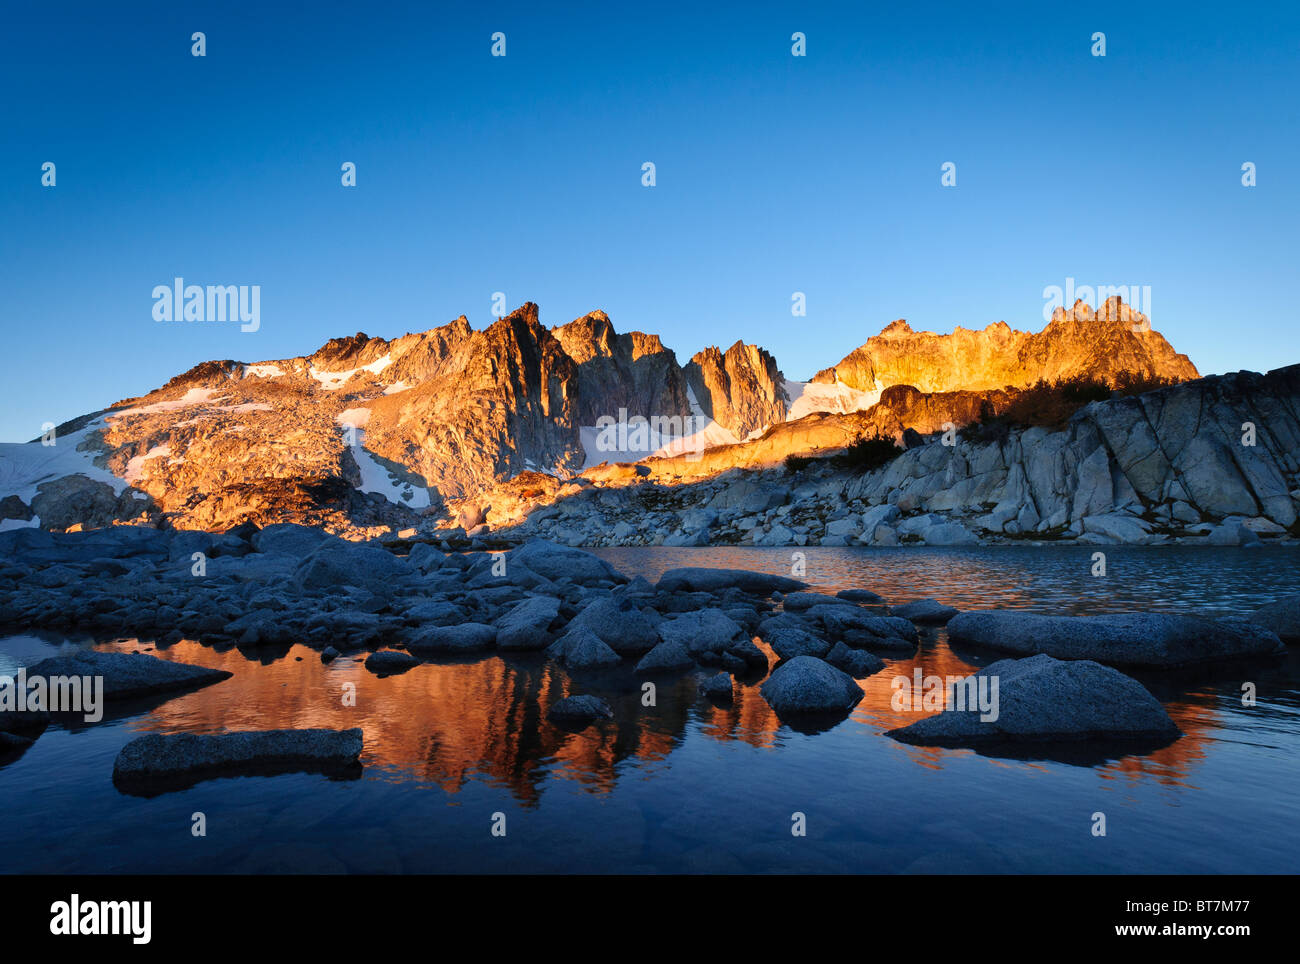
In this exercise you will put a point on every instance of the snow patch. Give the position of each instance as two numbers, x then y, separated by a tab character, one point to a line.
333	381
135	467
354	417
809	397
195	396
265	370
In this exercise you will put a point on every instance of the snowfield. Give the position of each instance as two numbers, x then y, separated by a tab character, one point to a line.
374	477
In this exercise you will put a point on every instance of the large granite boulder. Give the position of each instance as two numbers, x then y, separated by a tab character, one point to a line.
527	625
556	562
707	630
716	580
128	675
1044	699
808	685
183	758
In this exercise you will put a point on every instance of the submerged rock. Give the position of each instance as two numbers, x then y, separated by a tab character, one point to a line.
860	595
807	684
580	710
169	757
1121	639
1045	699
128	675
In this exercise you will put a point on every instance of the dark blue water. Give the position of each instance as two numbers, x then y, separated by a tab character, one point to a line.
687	786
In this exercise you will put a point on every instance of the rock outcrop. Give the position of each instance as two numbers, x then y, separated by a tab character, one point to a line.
1212	462
741	389
633	371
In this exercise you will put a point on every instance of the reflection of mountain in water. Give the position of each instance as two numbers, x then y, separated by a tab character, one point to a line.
451	723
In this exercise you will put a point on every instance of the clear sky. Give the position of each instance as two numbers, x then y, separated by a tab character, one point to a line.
522	174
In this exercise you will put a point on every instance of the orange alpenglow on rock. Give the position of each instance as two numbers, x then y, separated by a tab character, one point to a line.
1078	342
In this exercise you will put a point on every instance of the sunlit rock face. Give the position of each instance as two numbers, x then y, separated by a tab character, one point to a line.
362	432
633	371
367	433
742	389
1077	342
458	426
483	405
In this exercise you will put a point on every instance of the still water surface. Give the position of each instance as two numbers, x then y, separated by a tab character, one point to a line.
687	786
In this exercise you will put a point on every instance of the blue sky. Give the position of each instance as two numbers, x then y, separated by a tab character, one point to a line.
522	174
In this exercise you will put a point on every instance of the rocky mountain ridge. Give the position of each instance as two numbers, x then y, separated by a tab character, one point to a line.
368	435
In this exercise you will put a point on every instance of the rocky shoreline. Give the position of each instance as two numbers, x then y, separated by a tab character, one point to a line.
288	584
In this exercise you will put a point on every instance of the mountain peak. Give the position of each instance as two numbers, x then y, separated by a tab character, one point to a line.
1079	341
